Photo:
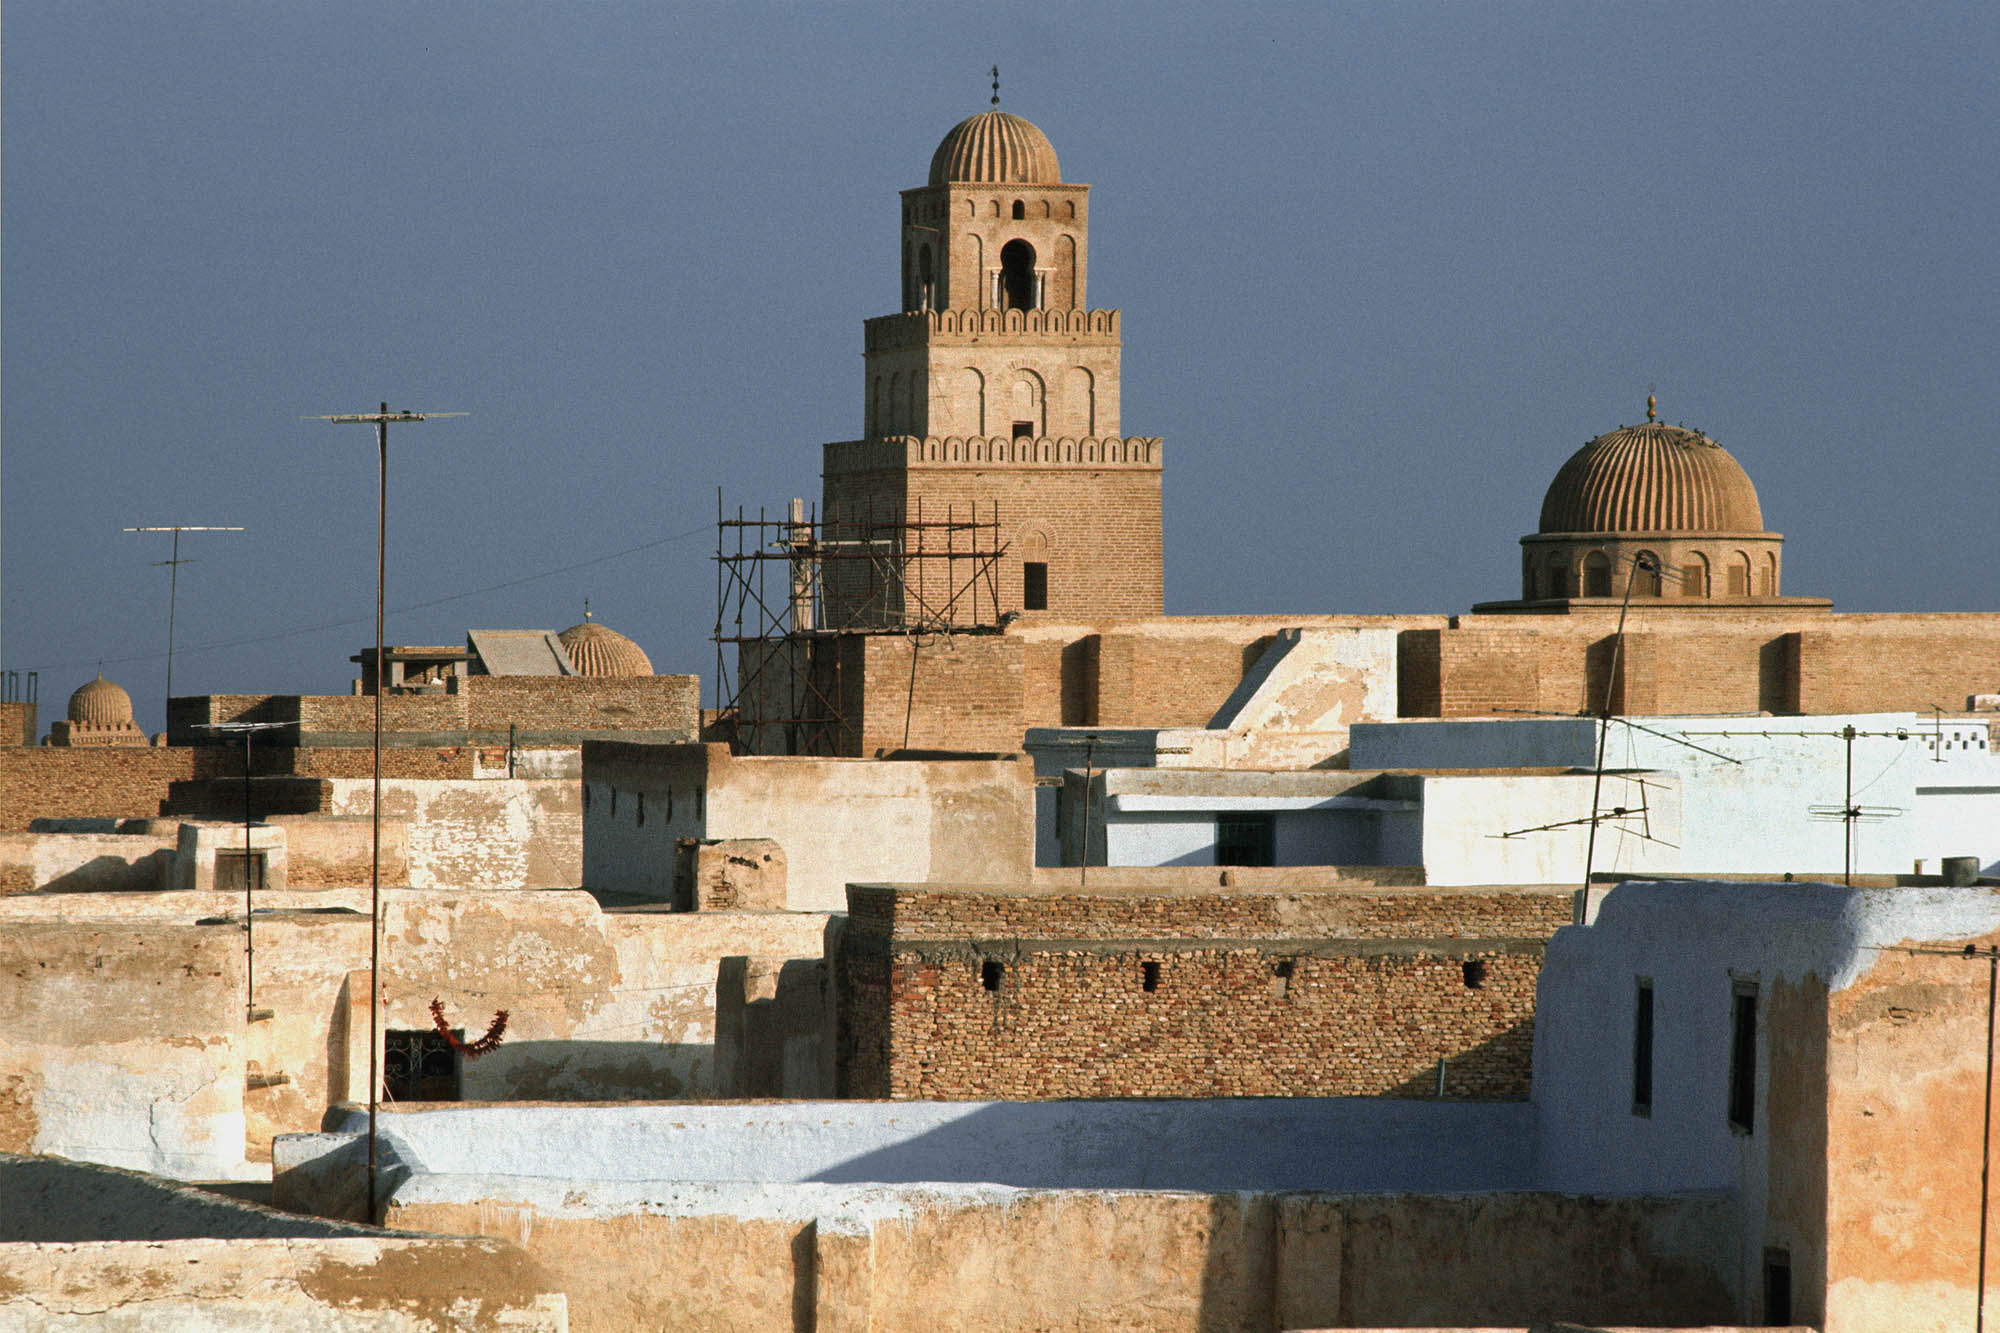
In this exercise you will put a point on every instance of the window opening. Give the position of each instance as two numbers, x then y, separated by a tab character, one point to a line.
639	816
614	802
1475	973
1034	585
1648	575
419	1065
1024	430
1281	979
1020	210
1018	282
1777	1286
232	868
990	973
1149	976
1246	840
1642	1048
1596	575
1743	1058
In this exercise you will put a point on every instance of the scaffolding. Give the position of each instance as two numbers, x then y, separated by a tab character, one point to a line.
791	591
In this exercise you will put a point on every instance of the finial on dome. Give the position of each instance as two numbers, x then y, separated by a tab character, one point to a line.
996	87
1651	415
586	608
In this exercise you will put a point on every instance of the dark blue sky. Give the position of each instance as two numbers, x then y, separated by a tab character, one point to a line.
1383	268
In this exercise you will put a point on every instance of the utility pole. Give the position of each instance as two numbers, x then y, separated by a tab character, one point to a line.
174	563
380	420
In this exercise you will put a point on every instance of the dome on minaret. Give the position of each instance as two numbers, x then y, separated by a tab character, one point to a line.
598	650
99	703
995	148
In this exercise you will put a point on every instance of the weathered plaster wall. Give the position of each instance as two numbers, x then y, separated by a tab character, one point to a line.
918	1258
1904	1076
521	833
122	1024
1865	1075
88	862
838	820
122	1042
396	1284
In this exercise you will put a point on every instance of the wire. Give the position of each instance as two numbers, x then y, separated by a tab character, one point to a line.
294	633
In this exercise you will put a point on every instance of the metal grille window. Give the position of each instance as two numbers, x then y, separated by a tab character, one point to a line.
420	1066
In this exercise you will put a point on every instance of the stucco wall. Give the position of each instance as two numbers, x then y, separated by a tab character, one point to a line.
521	833
87	862
396	1284
838	820
1866	1101
122	1023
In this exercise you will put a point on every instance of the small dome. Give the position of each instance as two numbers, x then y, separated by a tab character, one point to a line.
994	148
99	703
595	650
1651	478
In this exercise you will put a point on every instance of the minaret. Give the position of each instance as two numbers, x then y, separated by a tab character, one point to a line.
995	390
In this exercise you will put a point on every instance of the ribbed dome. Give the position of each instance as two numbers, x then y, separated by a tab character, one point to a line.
997	149
1651	478
595	650
99	703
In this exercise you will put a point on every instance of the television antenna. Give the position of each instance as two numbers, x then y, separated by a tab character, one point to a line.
174	563
1847	813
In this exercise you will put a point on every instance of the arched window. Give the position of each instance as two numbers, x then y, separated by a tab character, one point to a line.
1739	575
1020	210
1018	283
1596	575
1694	575
1646	575
1559	579
1767	578
926	292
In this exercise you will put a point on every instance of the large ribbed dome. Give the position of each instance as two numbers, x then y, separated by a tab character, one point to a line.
595	650
99	703
1651	478
995	148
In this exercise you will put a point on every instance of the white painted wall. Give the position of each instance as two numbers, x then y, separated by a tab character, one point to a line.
1756	814
480	833
1359	1143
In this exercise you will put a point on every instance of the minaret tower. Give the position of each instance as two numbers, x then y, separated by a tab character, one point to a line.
996	386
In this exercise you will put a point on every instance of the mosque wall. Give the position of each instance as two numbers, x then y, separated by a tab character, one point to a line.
969	994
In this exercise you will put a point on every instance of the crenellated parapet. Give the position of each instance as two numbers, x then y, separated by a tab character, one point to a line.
918	328
1143	452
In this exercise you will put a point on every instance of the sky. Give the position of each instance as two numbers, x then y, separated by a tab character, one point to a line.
1383	267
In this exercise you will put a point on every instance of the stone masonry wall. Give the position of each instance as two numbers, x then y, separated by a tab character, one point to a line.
985	994
38	782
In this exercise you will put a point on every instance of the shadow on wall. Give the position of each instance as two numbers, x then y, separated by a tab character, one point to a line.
587	1071
115	874
1276	1143
1497	1069
50	1200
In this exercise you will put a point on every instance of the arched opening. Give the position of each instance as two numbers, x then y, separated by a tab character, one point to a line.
1596	575
1017	276
1020	210
1767	578
1558	579
1739	575
926	291
1694	575
1646	575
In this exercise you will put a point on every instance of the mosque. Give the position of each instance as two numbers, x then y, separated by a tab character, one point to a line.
988	558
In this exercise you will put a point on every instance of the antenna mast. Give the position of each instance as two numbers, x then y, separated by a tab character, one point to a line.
174	563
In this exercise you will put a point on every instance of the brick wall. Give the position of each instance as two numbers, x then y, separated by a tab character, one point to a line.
565	704
1701	663
973	994
17	723
39	782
